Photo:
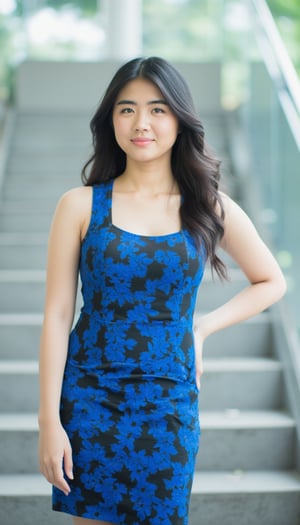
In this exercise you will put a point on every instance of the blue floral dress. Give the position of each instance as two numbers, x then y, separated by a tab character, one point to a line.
129	399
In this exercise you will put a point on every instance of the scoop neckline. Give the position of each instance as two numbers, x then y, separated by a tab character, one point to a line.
134	234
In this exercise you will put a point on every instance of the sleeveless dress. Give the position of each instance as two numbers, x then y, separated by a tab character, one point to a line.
129	399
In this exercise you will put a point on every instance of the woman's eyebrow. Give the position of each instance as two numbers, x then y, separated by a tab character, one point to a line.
133	103
158	101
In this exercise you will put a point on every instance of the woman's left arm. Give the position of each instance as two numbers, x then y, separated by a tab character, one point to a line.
266	282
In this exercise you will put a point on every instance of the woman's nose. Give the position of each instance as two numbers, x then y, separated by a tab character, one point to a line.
141	122
141	128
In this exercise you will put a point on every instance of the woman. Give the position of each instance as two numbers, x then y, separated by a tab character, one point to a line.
119	396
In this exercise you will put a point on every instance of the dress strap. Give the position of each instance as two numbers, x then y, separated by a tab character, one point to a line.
101	205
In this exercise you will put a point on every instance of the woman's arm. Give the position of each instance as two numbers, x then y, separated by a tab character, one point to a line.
266	282
62	276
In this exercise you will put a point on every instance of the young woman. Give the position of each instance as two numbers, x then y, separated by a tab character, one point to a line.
118	417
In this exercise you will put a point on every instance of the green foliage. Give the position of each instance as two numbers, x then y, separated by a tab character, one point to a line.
289	8
87	7
20	7
6	69
287	16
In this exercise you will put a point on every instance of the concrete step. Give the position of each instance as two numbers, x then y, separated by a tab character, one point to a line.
42	163
69	125
24	291
37	204
20	188
18	443
243	384
252	338
225	438
51	144
20	334
49	177
245	498
30	238
212	293
24	222
18	386
230	498
21	179
240	440
26	500
23	256
23	251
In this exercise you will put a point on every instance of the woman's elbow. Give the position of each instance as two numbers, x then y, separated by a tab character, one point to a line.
279	287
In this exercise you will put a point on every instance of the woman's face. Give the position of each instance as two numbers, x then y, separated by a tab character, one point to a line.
144	125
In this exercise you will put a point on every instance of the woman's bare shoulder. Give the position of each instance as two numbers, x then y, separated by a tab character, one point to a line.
231	208
76	200
74	207
224	203
226	199
78	195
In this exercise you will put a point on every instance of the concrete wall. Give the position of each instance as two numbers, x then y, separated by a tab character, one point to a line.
76	86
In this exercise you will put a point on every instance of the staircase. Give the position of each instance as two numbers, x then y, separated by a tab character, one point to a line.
246	469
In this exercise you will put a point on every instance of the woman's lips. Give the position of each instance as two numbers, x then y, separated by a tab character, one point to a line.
141	141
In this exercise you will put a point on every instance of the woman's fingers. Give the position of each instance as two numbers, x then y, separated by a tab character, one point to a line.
53	472
52	469
56	457
58	479
68	463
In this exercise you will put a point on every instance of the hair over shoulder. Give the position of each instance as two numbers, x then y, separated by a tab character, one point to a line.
196	172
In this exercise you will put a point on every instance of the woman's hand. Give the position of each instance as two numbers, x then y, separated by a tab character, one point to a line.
55	455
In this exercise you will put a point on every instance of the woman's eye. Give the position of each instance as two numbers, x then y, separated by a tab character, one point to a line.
126	110
158	110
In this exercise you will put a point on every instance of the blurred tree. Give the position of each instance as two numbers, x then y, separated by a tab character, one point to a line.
4	72
287	16
289	8
87	7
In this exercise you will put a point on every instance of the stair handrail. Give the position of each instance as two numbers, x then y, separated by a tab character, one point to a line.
6	131
279	63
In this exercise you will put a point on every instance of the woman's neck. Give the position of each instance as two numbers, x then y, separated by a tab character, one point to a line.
147	180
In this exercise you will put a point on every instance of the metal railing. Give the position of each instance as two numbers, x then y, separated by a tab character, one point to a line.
278	62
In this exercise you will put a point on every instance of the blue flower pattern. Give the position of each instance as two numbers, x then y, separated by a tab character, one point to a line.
129	398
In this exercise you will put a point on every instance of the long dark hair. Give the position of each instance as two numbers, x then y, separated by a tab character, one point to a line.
197	173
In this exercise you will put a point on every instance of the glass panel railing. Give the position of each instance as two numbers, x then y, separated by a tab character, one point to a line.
271	119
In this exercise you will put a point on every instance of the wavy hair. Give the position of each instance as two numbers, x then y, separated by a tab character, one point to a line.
197	173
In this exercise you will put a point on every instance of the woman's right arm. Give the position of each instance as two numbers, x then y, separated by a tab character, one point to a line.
62	277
